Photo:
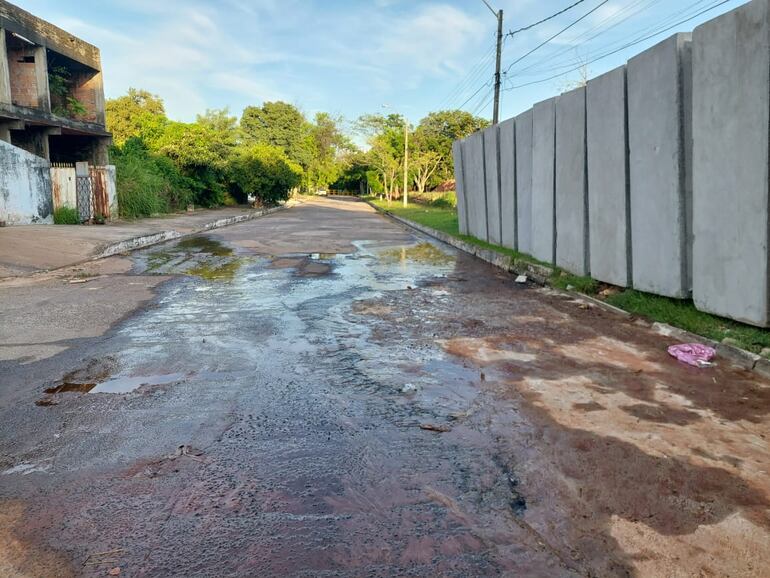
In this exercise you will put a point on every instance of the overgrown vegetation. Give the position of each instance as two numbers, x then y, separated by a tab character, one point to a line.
60	85
66	216
272	151
675	312
148	183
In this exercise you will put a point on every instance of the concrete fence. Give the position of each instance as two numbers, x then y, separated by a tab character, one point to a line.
656	175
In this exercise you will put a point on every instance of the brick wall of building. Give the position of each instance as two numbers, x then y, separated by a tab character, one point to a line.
85	90
22	75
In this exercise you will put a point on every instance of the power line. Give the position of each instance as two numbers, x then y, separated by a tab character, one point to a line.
484	102
544	20
629	45
645	32
471	97
574	45
562	31
470	78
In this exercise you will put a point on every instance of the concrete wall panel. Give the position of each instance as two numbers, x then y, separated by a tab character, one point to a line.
25	187
731	115
608	194
658	180
524	182
543	216
462	214
475	185
508	183
492	174
571	194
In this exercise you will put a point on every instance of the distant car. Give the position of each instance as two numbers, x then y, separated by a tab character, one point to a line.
322	193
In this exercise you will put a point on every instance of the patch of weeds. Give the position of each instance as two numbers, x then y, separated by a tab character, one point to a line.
683	314
66	216
568	281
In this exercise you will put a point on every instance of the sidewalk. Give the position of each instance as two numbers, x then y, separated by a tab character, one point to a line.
27	249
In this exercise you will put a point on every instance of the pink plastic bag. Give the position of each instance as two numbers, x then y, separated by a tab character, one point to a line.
694	354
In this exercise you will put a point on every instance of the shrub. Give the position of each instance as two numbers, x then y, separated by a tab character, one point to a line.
446	201
148	184
265	172
66	216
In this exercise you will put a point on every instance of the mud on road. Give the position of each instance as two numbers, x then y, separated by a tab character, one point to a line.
322	393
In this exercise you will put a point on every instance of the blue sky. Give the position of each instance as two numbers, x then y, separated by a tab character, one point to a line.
351	57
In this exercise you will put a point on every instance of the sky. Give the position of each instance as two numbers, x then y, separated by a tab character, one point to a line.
350	57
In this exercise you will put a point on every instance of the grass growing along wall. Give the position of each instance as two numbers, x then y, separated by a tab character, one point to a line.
66	216
676	312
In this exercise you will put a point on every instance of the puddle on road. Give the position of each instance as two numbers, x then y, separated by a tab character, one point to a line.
112	385
313	265
205	245
129	384
209	272
202	257
426	253
68	387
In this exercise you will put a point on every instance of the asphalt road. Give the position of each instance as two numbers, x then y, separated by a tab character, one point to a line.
322	393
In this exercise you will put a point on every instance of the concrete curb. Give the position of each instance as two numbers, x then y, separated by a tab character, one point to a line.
538	273
144	241
739	357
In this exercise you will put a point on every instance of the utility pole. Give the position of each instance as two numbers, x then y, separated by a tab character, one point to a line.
498	80
496	113
406	161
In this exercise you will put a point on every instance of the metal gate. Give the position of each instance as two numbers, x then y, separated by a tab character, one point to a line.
84	192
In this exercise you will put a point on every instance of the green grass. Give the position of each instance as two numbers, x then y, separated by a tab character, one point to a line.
683	314
66	216
440	218
679	313
568	281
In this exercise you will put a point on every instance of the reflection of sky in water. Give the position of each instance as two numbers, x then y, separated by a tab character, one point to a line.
259	313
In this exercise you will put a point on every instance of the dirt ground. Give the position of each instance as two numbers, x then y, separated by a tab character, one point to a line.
322	393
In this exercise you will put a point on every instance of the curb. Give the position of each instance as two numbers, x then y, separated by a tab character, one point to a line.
144	241
540	274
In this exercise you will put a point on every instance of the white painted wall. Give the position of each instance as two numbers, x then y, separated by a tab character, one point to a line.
25	187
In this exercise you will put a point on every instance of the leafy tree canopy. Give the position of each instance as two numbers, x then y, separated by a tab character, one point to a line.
138	114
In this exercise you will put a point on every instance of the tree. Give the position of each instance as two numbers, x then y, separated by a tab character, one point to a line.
424	165
439	130
281	125
385	135
218	120
201	154
138	114
265	172
384	160
330	146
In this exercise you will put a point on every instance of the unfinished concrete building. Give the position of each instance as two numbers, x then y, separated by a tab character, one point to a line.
52	121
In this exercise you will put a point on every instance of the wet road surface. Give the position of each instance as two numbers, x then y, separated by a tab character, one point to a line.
322	393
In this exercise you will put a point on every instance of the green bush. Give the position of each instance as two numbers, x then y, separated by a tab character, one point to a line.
66	216
148	183
265	172
445	201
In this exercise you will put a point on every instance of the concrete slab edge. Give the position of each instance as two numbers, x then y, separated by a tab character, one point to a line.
740	357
